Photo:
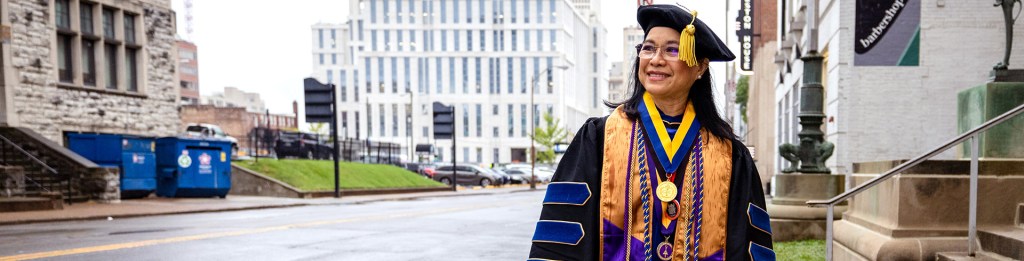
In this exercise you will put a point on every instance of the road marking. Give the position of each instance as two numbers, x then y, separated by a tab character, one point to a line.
143	243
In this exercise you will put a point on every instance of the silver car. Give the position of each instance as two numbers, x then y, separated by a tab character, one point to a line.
467	175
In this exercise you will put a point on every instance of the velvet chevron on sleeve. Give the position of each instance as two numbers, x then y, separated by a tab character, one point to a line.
749	231
568	227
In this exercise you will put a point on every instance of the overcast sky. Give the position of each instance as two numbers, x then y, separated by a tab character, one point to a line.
267	48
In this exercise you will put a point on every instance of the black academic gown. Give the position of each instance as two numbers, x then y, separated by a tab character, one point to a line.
582	163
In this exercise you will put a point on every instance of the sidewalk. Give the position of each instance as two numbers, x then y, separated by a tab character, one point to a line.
165	206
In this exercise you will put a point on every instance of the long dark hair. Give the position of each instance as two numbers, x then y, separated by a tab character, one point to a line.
700	94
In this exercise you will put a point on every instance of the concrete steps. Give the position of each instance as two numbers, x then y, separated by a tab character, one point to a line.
962	256
997	244
44	201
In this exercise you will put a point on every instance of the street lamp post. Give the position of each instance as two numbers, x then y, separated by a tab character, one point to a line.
408	127
533	127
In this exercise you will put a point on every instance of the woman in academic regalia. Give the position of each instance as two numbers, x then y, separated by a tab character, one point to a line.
662	177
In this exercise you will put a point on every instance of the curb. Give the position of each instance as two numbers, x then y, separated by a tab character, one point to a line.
135	215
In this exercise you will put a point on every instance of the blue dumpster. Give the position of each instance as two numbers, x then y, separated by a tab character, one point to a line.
189	167
133	155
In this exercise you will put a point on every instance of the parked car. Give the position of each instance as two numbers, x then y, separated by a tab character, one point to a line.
302	145
524	174
211	131
511	179
467	175
427	170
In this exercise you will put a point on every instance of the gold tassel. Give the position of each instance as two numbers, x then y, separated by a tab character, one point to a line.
687	50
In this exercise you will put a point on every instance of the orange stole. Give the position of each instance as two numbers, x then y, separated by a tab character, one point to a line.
717	175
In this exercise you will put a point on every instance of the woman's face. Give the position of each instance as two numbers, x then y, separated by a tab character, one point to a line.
666	77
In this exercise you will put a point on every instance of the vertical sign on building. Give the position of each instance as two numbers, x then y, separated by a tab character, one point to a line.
887	33
745	34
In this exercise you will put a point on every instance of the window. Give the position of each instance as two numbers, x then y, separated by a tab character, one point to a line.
64	37
514	43
380	75
478	75
444	12
394	75
88	45
320	34
387	13
465	154
369	86
83	53
522	74
479	120
451	75
394	120
369	121
455	14
373	12
536	115
407	76
465	120
494	109
553	14
343	82
334	59
426	132
469	40
444	38
380	114
551	82
496	155
511	121
333	39
510	87
355	86
440	87
479	154
513	4
495	134
321	59
465	75
522	111
330	76
483	43
457	39
398	10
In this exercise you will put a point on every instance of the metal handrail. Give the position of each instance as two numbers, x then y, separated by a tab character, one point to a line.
37	161
40	162
972	218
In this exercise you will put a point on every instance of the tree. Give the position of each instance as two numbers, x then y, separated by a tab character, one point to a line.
742	91
551	134
322	129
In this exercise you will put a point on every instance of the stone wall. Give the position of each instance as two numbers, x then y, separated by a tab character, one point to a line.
43	105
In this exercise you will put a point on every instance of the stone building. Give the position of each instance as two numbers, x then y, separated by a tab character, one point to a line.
761	93
99	66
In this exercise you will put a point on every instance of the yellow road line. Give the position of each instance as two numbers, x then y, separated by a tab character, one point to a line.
93	249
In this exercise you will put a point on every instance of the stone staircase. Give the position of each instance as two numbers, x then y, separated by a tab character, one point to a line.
997	243
44	170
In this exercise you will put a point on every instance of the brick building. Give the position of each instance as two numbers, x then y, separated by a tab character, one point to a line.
98	66
188	72
236	121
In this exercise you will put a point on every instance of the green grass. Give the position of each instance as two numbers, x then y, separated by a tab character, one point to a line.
800	250
312	175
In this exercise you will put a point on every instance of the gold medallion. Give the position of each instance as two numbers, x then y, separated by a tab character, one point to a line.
666	191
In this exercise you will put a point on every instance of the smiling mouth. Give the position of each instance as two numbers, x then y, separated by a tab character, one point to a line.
657	76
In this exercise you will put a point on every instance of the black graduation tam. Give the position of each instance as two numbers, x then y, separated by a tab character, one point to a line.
694	36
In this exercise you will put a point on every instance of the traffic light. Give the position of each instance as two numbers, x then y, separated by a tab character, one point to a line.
319	101
444	121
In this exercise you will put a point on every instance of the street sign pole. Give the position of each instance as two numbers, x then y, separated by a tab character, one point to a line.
455	175
321	106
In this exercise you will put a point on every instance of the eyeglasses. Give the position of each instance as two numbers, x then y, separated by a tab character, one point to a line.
647	51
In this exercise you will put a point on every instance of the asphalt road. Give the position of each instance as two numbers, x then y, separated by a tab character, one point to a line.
483	227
